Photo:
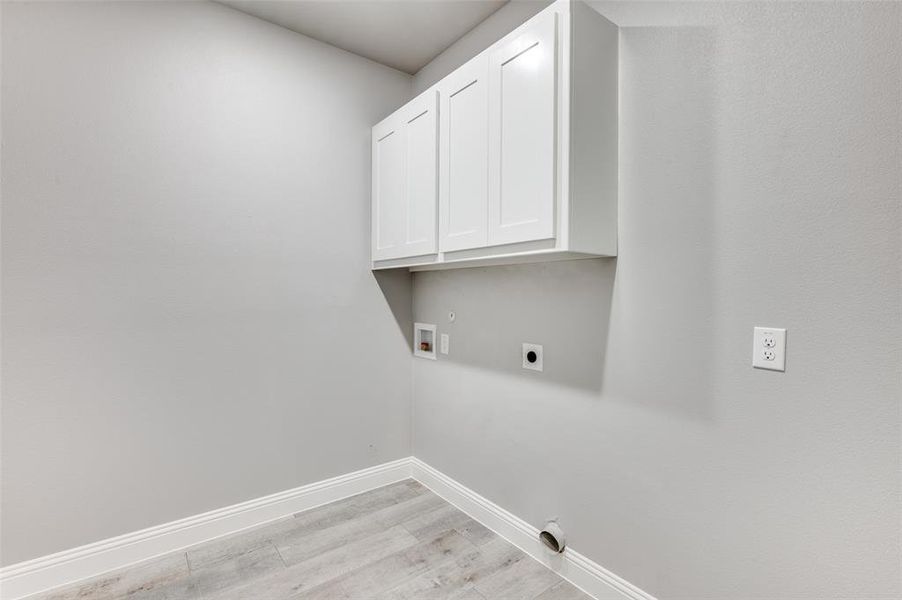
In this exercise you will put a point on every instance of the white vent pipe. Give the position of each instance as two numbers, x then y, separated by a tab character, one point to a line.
552	536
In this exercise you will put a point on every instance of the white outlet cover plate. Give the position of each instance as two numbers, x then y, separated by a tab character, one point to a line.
535	366
769	349
444	344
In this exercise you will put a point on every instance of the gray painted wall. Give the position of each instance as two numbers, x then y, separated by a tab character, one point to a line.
760	185
186	285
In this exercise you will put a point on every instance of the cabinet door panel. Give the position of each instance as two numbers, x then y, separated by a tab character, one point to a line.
405	183
522	135
422	182
389	150
463	176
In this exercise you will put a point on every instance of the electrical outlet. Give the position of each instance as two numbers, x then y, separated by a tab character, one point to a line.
532	357
444	343
769	349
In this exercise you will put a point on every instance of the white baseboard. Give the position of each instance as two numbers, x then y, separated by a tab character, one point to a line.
585	574
48	572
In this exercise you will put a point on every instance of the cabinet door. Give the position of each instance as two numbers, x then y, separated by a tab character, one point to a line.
388	188
405	182
522	90
421	128
463	171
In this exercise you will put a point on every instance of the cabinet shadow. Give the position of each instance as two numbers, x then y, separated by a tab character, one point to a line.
396	286
564	306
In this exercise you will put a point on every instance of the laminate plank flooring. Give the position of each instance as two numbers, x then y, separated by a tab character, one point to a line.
398	542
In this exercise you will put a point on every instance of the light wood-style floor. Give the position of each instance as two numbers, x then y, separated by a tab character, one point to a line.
400	541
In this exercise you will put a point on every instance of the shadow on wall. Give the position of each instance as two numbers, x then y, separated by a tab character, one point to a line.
396	288
664	317
652	337
564	306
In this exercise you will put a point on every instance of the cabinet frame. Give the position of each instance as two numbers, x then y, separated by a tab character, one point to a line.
584	197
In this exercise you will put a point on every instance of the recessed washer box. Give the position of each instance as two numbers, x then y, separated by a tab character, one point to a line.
424	340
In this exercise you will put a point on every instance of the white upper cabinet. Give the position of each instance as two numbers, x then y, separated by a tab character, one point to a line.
463	157
521	134
524	164
405	189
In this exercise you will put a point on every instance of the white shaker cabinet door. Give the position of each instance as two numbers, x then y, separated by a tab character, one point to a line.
389	148
522	89
463	172
421	124
405	181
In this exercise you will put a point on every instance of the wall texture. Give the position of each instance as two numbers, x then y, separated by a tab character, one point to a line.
761	183
185	268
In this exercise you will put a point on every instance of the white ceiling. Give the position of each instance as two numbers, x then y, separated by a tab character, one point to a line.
404	34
